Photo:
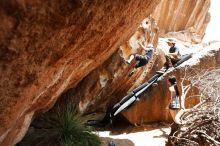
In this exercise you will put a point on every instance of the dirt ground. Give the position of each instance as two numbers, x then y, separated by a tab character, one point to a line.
118	142
145	135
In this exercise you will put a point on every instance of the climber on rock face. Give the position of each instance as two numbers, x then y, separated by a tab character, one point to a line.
142	59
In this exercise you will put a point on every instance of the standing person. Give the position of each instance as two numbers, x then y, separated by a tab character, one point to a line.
174	99
142	59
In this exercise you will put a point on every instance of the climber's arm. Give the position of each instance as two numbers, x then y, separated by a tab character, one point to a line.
142	46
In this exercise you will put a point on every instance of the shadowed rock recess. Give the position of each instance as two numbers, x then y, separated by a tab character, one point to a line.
54	46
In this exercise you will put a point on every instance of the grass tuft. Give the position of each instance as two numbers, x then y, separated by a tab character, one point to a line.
61	127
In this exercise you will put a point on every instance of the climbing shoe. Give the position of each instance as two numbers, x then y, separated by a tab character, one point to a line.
155	84
127	62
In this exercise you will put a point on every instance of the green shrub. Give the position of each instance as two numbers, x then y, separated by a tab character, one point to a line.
73	131
60	127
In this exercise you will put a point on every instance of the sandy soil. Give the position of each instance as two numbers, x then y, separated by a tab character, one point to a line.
148	135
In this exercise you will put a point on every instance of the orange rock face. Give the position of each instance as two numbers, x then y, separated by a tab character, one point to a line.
189	17
110	82
49	46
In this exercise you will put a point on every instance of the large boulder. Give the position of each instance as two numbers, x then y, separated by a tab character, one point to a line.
77	47
50	46
110	82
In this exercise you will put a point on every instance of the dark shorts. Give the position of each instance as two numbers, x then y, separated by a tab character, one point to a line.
171	61
143	60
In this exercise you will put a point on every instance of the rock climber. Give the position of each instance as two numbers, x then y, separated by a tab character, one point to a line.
142	59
